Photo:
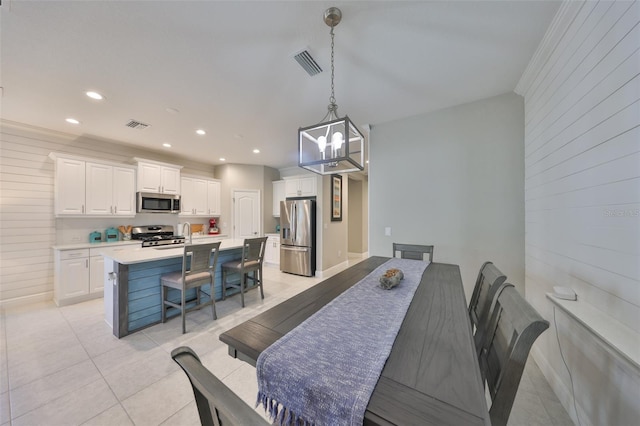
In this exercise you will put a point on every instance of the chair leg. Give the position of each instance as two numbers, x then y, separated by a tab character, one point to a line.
213	302
184	329
243	281
163	295
259	273
224	284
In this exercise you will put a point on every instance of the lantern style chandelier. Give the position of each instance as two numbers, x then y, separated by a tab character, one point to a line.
335	145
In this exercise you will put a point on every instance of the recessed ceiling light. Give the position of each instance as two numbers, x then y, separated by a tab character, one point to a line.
95	95
72	120
223	159
201	132
166	145
256	151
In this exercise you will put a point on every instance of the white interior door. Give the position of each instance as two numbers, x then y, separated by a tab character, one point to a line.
246	213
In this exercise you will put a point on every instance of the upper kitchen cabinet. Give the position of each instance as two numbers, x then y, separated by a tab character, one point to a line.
199	197
158	177
300	187
213	197
110	190
90	188
70	179
278	195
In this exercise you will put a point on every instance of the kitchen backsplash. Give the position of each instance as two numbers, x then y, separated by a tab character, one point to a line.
77	230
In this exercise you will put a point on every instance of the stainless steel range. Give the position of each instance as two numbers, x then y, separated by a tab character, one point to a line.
156	235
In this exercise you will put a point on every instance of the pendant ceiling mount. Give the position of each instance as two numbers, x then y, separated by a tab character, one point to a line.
335	145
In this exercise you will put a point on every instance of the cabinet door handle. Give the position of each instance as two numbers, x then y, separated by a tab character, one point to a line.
86	263
83	209
115	209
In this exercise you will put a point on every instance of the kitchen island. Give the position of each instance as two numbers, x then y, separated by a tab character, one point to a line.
132	296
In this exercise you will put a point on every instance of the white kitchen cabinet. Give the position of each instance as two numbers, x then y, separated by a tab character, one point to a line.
110	190
87	188
79	276
200	197
272	249
69	186
124	194
213	198
278	195
158	177
300	187
96	273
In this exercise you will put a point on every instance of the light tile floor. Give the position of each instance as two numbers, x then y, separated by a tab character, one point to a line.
62	366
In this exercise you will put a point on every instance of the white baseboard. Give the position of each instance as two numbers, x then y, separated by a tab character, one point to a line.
360	255
27	300
333	270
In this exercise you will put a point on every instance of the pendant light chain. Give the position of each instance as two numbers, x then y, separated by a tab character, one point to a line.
332	98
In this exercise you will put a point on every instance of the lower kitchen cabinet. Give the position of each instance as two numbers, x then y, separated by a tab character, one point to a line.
79	276
272	250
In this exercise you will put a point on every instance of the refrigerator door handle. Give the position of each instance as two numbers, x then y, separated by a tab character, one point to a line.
293	248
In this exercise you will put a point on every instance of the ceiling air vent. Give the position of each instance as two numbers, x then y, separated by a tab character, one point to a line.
307	62
137	125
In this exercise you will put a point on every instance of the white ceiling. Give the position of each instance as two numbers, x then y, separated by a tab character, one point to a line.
228	67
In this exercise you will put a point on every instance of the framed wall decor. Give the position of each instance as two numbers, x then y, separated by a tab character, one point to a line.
336	198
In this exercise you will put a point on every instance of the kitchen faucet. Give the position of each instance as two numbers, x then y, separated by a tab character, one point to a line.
188	225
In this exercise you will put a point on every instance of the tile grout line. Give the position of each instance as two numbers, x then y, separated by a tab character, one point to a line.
99	372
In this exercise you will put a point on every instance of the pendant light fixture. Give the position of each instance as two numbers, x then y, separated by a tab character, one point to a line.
335	145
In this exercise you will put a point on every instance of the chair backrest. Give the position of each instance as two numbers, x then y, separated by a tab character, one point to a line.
198	258
253	250
513	328
412	251
487	285
217	404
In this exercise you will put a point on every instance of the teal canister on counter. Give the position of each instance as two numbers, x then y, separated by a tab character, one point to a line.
95	237
110	235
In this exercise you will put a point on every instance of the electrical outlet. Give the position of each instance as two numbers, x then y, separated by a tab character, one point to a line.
339	253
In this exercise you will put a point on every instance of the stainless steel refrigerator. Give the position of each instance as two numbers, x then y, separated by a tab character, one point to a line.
298	236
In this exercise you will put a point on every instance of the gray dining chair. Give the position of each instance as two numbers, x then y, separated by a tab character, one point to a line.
412	251
217	404
489	284
513	328
248	267
198	269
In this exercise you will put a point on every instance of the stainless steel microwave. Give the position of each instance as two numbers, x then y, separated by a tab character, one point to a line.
158	203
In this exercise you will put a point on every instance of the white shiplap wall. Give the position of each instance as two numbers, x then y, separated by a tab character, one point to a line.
28	228
582	198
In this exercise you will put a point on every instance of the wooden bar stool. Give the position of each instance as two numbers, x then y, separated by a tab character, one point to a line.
198	269
250	263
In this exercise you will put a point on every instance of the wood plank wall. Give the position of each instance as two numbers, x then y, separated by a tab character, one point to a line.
582	191
27	224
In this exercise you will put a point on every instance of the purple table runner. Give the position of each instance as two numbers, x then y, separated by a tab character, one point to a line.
324	371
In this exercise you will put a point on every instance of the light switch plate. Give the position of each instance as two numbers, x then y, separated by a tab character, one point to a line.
387	231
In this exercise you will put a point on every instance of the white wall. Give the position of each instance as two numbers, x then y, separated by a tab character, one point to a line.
582	201
28	228
452	178
243	176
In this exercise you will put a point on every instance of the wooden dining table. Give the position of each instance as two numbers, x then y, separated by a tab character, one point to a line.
431	377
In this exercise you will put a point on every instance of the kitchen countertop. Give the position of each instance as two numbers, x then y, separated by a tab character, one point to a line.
130	255
77	246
